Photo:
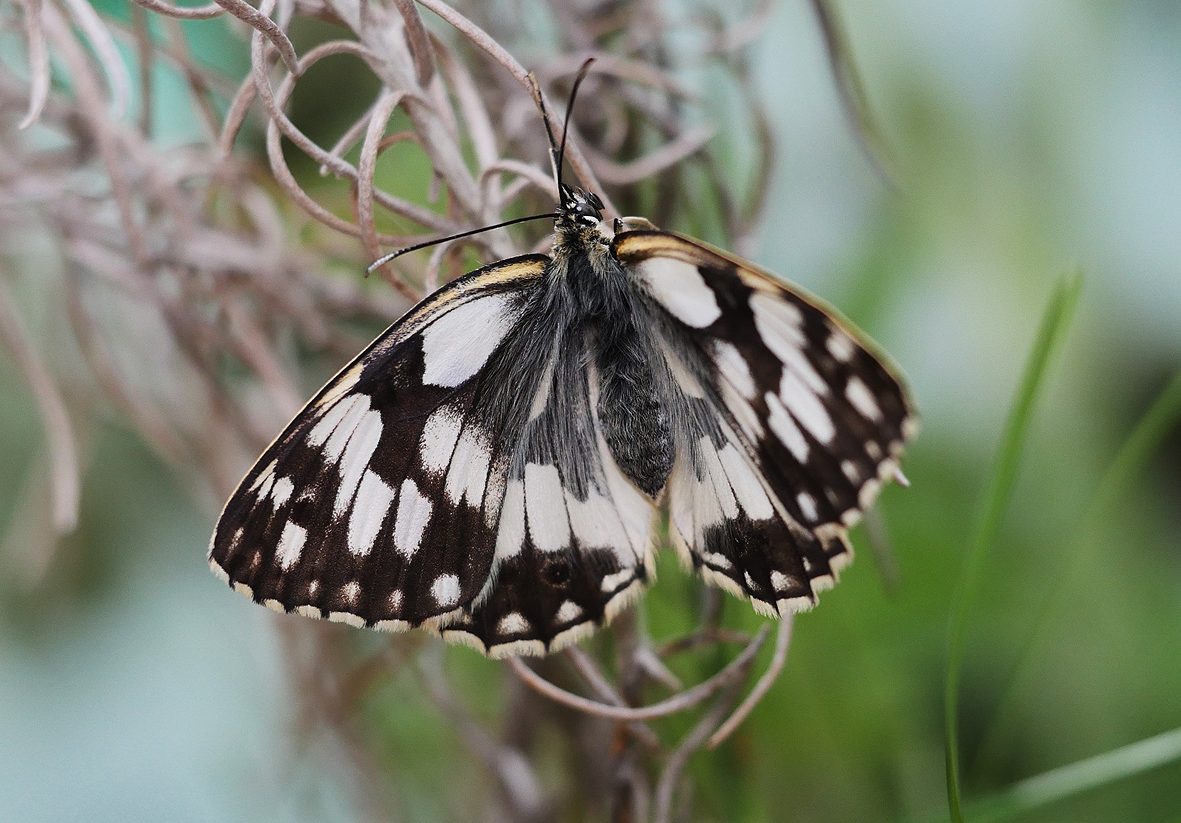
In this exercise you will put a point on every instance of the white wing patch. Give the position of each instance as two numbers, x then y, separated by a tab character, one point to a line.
569	610
281	491
510	536
634	510
439	436
445	590
374	498
414	512
806	407
738	388
682	290
715	483
357	455
785	428
734	369
290	544
512	623
459	343
594	521
807	505
471	462
861	398
779	324
728	485
840	346
745	482
337	426
348	432
549	524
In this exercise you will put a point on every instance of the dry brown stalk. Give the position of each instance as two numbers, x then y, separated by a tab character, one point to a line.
187	272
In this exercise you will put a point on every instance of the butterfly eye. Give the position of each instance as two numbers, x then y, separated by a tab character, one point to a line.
583	206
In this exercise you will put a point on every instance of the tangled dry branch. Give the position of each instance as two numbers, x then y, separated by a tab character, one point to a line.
190	278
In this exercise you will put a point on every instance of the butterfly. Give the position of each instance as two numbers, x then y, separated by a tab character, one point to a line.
495	466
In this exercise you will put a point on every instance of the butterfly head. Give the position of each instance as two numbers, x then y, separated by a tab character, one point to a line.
581	207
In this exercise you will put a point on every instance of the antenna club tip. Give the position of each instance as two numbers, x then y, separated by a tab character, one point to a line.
379	262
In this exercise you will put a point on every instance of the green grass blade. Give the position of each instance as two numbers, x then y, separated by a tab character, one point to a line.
1137	450
1000	488
1076	778
1115	485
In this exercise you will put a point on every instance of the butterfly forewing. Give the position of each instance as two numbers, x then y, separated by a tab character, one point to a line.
453	475
800	420
379	503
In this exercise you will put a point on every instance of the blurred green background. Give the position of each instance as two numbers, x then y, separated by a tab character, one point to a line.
1028	140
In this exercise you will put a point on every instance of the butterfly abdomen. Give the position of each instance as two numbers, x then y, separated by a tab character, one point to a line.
636	428
631	409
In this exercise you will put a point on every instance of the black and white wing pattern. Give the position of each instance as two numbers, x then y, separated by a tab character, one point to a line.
790	420
491	466
440	481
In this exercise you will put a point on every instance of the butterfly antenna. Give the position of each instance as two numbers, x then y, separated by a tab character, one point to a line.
557	151
583	70
428	243
555	168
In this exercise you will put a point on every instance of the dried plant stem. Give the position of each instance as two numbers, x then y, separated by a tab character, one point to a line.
734	671
207	288
764	684
63	458
679	758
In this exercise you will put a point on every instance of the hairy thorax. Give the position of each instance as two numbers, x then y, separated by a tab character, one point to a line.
630	407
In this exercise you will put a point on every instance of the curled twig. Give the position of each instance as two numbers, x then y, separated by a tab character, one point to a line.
733	671
383	110
38	61
516	777
206	12
258	20
417	41
481	38
851	91
599	683
764	684
656	161
675	765
103	44
63	458
243	275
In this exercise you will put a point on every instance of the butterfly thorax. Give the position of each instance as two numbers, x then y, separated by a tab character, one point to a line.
604	302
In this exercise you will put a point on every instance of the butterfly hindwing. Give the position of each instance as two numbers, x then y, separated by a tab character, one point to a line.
798	420
575	536
452	476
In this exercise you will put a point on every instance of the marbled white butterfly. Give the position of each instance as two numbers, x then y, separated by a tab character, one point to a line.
494	465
